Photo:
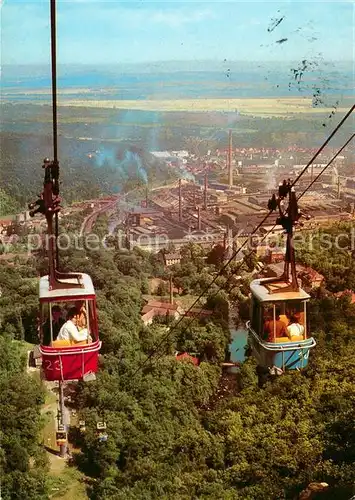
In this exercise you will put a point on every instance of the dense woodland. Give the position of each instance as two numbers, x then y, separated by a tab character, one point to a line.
331	251
174	431
117	168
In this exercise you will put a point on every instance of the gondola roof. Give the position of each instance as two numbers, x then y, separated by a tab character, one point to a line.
85	291
273	292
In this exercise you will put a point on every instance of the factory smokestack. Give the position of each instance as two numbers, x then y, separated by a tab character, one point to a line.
205	192
180	202
146	197
199	218
230	169
171	293
127	238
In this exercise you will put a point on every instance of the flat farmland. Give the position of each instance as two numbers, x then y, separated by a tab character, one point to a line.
262	107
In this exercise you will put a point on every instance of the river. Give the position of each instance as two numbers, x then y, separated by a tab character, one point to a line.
239	339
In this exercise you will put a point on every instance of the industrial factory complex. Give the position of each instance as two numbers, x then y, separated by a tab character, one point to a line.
221	197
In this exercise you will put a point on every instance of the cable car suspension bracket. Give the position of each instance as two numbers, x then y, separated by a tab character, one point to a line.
288	218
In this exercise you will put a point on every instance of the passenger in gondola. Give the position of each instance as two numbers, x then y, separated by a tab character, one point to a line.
57	323
275	328
70	330
267	319
82	315
294	329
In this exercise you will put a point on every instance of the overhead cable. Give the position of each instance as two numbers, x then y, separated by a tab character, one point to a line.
225	266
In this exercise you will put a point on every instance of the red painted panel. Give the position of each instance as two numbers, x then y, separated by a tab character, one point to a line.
65	298
70	363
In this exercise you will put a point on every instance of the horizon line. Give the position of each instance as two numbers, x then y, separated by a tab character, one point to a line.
173	61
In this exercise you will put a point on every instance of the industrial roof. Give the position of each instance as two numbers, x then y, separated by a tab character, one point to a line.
172	256
86	290
264	295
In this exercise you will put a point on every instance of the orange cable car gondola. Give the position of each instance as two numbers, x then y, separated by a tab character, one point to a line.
82	426
61	435
102	435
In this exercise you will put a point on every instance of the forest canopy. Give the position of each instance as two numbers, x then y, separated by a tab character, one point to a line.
176	430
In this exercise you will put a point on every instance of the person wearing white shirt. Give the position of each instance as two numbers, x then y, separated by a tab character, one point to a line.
70	331
294	329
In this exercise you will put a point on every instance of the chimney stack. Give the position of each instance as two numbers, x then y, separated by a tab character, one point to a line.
171	290
180	202
127	238
146	197
230	169
199	218
205	193
228	242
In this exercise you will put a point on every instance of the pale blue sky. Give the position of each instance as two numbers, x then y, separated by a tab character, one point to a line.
94	31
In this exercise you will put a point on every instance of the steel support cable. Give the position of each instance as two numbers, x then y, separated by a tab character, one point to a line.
54	78
340	124
302	194
220	273
240	265
326	166
274	226
54	112
166	338
159	356
309	186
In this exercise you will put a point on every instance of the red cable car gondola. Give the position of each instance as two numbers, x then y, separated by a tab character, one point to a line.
65	358
69	350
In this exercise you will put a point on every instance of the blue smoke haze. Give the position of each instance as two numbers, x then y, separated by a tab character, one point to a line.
127	163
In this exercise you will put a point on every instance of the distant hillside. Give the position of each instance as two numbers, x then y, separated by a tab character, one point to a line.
88	169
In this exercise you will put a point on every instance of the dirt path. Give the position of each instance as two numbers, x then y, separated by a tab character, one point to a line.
56	463
67	481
